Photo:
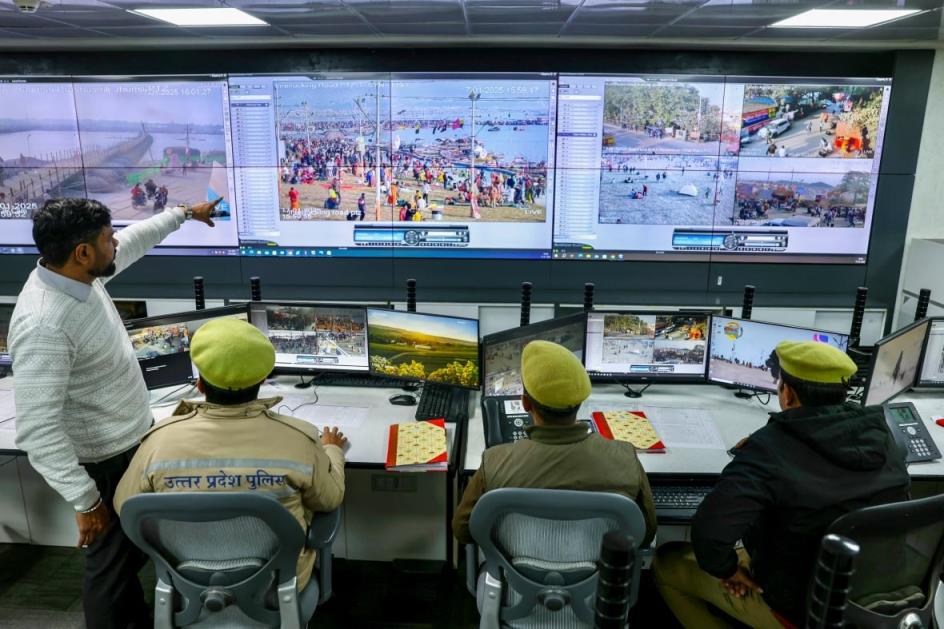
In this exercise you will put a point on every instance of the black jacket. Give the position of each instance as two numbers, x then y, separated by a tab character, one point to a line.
788	482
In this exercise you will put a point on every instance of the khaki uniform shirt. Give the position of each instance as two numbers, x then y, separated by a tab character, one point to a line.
559	457
245	447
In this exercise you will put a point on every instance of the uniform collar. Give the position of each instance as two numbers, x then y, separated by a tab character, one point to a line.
557	435
73	288
236	411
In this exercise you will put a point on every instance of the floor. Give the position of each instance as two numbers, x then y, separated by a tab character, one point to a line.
40	586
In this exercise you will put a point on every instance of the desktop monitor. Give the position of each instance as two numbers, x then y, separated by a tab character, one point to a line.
432	348
162	344
313	337
6	313
130	309
647	346
741	350
501	352
895	363
932	358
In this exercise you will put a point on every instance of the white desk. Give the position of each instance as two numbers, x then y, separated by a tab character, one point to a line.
413	508
734	418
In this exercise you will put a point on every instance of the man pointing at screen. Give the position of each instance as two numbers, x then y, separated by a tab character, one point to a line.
81	403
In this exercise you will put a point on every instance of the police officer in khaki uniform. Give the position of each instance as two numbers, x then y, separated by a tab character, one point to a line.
234	442
559	453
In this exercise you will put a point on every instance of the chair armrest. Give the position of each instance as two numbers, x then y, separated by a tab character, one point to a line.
321	533
323	529
471	567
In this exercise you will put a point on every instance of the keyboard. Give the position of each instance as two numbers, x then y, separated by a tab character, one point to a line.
358	380
678	502
443	401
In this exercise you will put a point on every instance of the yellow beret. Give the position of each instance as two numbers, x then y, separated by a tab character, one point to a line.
815	362
231	354
553	376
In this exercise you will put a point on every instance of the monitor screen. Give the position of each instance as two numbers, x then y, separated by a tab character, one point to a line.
6	313
895	363
501	352
414	165
137	145
717	167
741	350
313	337
130	309
425	347
647	346
162	344
932	366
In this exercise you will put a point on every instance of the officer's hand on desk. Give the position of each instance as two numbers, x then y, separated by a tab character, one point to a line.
741	583
332	436
92	524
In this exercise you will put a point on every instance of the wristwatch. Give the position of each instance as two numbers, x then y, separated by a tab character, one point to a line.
188	211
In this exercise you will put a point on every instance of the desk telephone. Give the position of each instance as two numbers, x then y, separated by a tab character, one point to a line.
505	420
910	432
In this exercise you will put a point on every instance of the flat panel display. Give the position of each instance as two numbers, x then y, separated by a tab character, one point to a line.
647	346
162	344
425	347
501	352
741	350
932	362
137	144
313	337
6	313
896	363
721	168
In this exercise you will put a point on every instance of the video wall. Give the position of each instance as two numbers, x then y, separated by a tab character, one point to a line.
531	166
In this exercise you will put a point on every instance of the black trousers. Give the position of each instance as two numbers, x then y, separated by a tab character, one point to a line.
111	592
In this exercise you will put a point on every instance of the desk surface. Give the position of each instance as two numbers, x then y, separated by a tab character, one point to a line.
367	442
733	417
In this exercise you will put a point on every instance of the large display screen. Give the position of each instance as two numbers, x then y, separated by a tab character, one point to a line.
6	313
485	165
713	167
647	347
415	165
136	145
932	366
742	350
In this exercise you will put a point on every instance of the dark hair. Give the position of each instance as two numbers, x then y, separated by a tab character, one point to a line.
550	415
230	397
810	393
61	225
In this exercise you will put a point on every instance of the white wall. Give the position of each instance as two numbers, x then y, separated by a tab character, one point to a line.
926	219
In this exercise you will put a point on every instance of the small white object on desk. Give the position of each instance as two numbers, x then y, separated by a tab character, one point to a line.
684	427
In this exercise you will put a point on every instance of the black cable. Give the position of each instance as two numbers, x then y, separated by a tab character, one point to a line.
765	402
301	384
292	410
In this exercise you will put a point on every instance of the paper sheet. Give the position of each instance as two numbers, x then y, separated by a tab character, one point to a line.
321	415
685	427
7	406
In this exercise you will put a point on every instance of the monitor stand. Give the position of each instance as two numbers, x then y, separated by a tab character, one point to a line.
633	393
744	395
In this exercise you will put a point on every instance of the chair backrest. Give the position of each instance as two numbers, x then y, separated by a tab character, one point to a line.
544	544
218	550
900	560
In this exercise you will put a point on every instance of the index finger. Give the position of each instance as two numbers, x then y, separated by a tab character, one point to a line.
216	202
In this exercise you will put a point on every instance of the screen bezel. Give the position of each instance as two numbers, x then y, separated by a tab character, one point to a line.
182	317
687	378
878	348
751	387
425	380
922	384
315	369
527	330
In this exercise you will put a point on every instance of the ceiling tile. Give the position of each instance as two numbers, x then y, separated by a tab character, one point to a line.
421	28
802	33
329	30
56	32
657	13
516	28
235	31
703	32
511	13
893	34
163	32
610	30
741	15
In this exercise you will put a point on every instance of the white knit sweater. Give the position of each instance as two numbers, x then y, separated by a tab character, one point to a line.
79	392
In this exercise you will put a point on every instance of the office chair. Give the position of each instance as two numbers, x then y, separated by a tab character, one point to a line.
541	548
899	564
829	590
229	559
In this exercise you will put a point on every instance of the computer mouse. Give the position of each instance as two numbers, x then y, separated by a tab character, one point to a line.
403	400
